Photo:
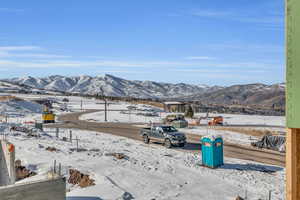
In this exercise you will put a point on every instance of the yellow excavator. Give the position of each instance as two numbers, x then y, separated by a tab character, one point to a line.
48	116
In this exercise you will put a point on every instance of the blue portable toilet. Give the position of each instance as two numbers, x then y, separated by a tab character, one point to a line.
212	151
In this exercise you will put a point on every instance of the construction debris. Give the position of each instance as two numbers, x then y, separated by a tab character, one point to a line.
22	172
273	142
119	156
77	178
20	129
51	149
31	132
254	167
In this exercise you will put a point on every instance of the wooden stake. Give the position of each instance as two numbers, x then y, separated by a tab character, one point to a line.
77	145
293	164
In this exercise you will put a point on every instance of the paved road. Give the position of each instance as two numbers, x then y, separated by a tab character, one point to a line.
130	131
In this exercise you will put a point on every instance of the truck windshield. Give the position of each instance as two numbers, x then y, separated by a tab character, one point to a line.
169	129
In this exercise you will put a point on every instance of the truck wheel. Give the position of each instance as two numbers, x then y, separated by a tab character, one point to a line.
168	143
146	139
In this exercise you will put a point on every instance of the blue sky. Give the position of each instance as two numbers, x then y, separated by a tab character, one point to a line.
193	41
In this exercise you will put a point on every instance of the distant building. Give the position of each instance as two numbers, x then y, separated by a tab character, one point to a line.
174	106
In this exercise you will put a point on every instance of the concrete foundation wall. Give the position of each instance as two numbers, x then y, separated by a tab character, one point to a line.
7	164
54	189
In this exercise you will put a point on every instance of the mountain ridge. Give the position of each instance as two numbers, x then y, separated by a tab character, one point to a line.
109	85
112	86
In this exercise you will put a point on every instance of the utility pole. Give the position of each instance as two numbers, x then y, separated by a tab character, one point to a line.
105	104
105	109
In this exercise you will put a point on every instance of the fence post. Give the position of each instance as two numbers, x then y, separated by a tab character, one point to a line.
54	167
70	134
57	132
59	169
77	143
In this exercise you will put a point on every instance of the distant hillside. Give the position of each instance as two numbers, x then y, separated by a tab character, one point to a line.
260	95
112	86
251	94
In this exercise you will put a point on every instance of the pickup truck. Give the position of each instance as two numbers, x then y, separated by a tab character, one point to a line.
168	135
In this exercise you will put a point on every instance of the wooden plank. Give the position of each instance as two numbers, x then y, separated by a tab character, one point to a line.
293	63
293	99
293	164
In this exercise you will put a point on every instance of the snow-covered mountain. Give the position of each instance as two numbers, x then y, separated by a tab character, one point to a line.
6	86
248	94
113	86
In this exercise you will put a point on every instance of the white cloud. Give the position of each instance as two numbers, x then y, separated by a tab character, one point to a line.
120	71
13	58
225	71
147	64
18	52
31	55
19	48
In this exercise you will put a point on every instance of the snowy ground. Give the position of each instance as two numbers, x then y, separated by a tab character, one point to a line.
149	172
228	136
117	116
19	111
230	119
91	103
235	119
25	111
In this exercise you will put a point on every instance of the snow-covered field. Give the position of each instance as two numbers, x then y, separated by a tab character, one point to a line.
230	119
228	136
149	171
75	105
127	116
21	112
235	119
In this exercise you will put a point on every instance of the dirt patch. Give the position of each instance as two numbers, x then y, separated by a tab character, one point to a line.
52	149
9	98
119	156
78	178
22	172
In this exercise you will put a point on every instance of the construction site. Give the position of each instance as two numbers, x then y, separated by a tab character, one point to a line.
108	138
101	150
